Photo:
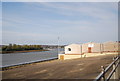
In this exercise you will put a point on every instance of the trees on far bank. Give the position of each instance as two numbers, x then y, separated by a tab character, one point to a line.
15	47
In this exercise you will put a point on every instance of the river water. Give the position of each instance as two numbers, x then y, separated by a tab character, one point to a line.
20	58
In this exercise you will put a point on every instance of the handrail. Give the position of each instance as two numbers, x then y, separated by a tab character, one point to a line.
111	73
104	71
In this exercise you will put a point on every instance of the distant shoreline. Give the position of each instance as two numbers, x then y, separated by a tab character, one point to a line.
25	51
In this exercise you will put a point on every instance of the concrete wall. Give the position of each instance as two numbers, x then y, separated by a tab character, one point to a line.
69	56
75	49
118	46
95	48
78	51
85	48
110	46
75	56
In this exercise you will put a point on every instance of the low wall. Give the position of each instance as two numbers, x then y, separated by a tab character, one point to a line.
69	56
75	56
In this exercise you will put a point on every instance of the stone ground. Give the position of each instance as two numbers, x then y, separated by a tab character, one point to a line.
83	68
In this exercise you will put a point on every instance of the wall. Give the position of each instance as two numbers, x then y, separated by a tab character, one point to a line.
96	48
110	46
75	49
69	56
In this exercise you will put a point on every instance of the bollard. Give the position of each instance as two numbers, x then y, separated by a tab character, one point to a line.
103	71
81	55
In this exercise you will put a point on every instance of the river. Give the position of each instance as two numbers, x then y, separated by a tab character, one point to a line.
21	58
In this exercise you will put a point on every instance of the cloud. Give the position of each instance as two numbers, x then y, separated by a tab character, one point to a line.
60	0
22	38
73	22
94	10
14	21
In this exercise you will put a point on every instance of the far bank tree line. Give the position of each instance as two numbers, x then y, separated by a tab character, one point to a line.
15	47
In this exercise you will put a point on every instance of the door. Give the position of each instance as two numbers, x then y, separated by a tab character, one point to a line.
89	49
61	57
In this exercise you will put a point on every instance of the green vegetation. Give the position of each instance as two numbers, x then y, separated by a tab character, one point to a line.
14	48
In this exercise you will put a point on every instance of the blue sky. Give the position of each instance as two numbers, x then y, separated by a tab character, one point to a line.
73	22
0	23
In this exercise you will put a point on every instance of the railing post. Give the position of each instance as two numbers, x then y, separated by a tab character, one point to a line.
114	74
118	70
117	75
103	71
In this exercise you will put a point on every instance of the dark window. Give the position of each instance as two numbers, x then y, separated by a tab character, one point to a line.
69	49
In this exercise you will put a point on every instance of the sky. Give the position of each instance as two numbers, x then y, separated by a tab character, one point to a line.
60	0
0	23
72	22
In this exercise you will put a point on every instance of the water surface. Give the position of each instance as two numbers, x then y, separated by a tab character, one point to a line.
18	58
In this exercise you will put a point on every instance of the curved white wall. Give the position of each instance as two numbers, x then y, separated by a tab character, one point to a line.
75	49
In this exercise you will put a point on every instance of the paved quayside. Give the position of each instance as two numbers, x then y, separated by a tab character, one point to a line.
83	68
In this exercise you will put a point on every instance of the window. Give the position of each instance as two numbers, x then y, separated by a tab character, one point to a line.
69	49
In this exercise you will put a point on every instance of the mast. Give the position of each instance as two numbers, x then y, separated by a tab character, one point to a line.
58	45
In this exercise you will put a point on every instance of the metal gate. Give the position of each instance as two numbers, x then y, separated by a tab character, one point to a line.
112	72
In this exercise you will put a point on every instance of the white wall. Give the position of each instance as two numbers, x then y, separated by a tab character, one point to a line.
95	48
110	46
75	49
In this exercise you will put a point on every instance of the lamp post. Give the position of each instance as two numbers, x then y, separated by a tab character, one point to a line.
58	45
81	50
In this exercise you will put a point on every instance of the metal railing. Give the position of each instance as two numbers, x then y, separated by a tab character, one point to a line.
111	72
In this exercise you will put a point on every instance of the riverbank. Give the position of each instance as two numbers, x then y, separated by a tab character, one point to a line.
25	51
83	68
25	64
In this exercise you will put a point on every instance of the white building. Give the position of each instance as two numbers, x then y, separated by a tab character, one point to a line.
91	47
73	49
110	46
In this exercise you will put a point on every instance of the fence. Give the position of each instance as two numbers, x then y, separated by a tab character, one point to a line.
111	72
